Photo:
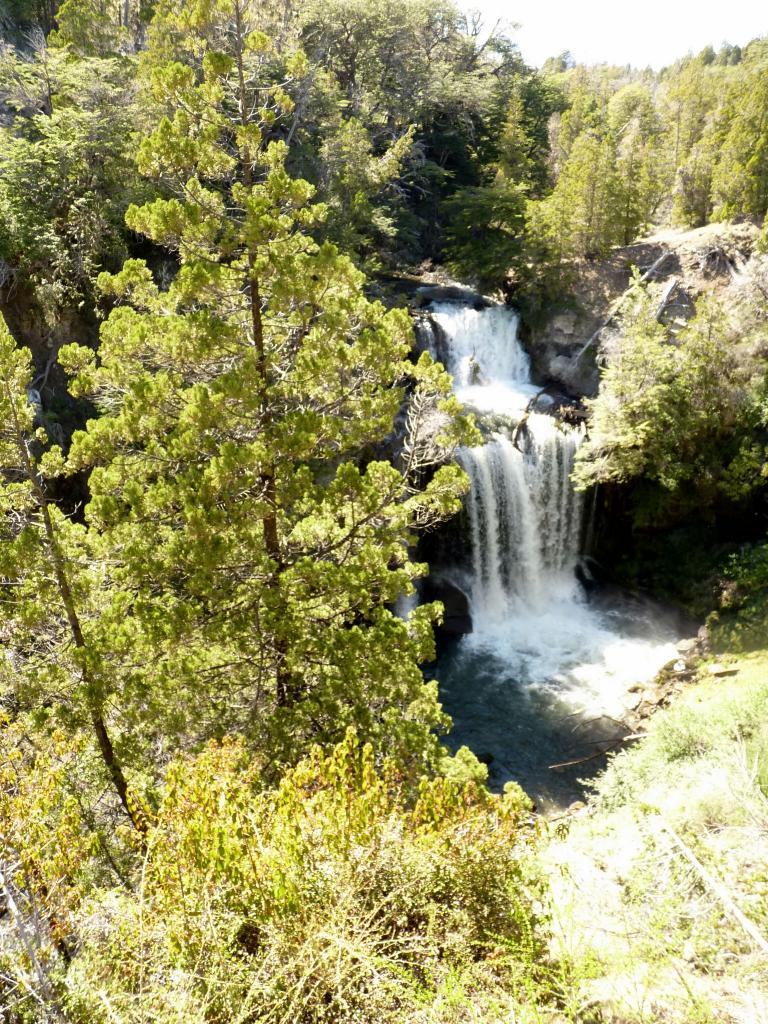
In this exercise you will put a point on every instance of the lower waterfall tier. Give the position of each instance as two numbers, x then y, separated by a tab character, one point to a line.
524	518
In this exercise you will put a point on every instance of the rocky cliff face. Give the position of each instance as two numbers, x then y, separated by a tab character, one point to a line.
686	263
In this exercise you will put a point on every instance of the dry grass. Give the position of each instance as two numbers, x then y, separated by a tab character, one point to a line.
649	883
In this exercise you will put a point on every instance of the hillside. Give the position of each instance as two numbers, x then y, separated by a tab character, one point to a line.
694	262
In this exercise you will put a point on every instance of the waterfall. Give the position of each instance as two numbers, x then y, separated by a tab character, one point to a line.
525	519
524	516
483	345
479	347
545	672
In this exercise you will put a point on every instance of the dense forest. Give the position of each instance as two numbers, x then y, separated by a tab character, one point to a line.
225	789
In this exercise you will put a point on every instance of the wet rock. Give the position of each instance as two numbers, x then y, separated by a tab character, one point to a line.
703	638
654	696
688	645
430	337
427	294
586	578
565	323
544	403
457	620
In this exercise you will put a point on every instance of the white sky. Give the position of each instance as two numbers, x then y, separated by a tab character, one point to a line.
638	32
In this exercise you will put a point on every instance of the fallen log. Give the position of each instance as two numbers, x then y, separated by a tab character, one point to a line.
523	423
716	886
666	298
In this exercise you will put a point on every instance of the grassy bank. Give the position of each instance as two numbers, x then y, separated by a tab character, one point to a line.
660	887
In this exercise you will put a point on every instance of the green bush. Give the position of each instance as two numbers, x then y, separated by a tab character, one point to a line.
327	899
741	621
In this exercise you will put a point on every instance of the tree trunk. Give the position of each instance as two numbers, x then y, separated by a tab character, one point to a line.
284	690
58	564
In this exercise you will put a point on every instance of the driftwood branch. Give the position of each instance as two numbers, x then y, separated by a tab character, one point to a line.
618	304
717	888
523	422
30	943
42	379
611	746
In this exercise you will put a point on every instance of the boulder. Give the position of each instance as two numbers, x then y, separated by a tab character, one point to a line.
722	670
687	645
457	620
564	323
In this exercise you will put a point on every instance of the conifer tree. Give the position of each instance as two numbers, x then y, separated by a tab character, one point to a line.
740	179
241	486
643	176
582	215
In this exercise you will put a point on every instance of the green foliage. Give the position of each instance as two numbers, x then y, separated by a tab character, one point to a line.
696	730
486	231
59	668
252	507
254	538
740	180
353	178
20	18
88	27
669	409
581	214
325	899
331	896
643	172
394	68
741	619
523	145
67	173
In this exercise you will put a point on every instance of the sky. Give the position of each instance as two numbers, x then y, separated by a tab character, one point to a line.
638	32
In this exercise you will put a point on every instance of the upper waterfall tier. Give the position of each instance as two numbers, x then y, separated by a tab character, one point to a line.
490	368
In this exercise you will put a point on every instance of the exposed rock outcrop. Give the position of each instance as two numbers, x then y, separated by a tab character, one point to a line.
708	259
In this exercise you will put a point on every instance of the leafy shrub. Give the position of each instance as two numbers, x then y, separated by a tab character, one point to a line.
332	897
741	622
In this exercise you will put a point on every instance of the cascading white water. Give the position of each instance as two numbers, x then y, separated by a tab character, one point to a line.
539	651
483	344
525	518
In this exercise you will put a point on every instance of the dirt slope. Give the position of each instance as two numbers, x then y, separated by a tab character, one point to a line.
701	260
